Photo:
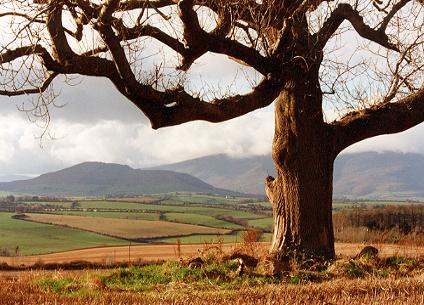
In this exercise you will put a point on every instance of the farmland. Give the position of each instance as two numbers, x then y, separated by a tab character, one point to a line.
19	237
124	228
74	223
165	218
40	233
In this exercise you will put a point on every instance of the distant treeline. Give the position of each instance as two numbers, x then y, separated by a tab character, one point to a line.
405	218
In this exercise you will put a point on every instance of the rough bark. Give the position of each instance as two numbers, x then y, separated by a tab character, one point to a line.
301	194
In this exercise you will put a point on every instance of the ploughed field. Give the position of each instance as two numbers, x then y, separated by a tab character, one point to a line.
124	228
152	253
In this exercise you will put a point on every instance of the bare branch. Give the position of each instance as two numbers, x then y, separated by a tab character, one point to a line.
62	50
138	31
397	7
346	12
11	55
188	108
137	4
38	90
27	17
380	119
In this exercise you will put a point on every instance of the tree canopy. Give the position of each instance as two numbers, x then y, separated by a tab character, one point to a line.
104	38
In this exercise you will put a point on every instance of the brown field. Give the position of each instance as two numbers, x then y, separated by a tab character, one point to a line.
125	228
150	253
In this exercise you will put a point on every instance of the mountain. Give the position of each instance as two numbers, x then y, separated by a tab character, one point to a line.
95	178
379	175
387	175
356	175
246	175
7	178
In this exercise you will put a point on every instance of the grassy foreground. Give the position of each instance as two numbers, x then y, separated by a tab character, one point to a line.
64	288
365	280
341	292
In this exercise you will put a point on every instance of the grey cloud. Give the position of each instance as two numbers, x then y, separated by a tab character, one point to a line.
88	101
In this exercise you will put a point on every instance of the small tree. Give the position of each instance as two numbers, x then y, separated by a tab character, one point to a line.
291	44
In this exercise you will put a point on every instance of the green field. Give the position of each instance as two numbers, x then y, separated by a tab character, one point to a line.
212	239
198	219
176	208
262	223
36	238
120	215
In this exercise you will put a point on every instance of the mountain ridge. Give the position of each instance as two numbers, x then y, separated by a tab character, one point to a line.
387	175
99	178
375	175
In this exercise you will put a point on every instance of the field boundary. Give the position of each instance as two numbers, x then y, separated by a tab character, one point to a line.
150	253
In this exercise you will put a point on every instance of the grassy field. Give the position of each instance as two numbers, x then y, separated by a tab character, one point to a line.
202	239
212	239
262	223
120	215
125	228
35	238
198	219
201	210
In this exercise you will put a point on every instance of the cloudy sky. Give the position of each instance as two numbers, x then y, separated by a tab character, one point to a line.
98	124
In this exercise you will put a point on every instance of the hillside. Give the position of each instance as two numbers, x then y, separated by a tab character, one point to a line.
241	175
356	175
379	175
95	178
386	175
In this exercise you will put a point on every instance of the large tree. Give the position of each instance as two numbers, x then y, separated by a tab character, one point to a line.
294	46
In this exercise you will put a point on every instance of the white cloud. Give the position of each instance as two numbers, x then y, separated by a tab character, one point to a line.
408	141
6	151
136	144
251	134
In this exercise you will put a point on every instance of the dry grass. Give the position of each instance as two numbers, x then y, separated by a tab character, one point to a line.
21	289
125	228
391	236
385	280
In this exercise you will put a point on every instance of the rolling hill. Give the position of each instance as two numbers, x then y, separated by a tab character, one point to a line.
387	175
246	175
95	178
357	175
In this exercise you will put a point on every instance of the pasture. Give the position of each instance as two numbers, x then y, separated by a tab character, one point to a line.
19	237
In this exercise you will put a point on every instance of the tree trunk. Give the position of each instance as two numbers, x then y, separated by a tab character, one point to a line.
301	194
